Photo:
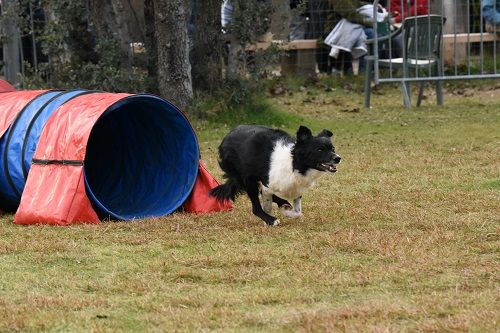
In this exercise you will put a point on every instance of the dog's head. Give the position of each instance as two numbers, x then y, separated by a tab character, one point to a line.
314	152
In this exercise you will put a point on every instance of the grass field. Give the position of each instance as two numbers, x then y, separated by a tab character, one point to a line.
404	238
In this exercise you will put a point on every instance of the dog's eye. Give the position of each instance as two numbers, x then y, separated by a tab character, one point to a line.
321	149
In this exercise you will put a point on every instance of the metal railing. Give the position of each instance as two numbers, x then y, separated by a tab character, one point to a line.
467	51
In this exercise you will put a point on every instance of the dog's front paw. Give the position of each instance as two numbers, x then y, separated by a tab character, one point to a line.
288	211
273	223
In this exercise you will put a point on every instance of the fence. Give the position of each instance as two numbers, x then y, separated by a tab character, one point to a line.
465	48
467	51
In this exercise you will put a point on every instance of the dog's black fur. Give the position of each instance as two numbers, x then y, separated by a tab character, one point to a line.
245	157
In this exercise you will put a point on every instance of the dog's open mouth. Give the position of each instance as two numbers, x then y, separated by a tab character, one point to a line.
331	167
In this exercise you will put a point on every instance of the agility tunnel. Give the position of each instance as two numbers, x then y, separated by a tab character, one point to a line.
83	156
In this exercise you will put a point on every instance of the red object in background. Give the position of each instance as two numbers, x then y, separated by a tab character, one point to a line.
6	86
199	202
417	7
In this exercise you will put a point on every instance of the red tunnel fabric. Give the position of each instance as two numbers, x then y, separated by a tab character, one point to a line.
12	103
199	201
55	193
6	86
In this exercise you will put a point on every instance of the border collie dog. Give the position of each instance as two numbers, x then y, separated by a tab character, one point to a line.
257	159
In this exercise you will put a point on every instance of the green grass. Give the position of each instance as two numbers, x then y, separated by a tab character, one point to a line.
404	238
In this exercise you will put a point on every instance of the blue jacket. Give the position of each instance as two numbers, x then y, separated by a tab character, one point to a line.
491	11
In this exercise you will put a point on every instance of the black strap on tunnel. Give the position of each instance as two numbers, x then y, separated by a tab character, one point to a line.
9	137
62	162
35	117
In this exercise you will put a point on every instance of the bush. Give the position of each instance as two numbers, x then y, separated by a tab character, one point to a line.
79	56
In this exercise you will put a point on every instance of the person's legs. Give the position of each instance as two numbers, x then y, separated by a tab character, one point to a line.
315	28
336	63
341	64
323	59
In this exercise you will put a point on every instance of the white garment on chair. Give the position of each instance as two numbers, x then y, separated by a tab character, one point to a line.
367	11
349	37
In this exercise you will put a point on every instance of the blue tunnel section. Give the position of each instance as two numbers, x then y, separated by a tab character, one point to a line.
18	144
141	159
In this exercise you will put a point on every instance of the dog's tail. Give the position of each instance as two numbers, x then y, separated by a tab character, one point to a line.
227	191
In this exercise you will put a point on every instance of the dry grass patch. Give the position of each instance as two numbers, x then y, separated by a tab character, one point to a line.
403	238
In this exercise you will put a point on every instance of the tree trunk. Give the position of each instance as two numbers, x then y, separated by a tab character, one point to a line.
111	17
174	69
11	44
121	15
151	49
207	45
250	23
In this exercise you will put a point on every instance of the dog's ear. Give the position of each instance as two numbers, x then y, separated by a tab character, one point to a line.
303	134
325	133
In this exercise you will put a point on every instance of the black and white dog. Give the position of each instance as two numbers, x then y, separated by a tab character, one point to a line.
260	159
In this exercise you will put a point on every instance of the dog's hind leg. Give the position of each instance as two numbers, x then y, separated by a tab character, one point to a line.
281	202
284	206
294	213
252	189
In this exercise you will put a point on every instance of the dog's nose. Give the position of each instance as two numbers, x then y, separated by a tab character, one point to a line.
336	159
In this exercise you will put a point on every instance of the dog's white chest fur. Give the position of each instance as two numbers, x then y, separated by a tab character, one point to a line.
284	181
